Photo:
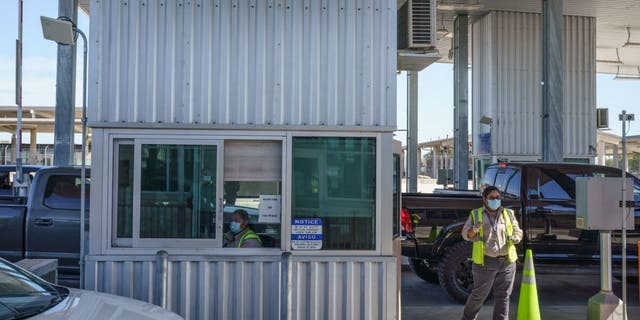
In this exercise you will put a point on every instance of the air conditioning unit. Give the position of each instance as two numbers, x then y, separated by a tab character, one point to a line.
417	24
602	118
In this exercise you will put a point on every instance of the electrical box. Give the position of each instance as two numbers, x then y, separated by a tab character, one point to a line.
598	203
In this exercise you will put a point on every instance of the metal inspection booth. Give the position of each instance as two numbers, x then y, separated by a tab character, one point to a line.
285	109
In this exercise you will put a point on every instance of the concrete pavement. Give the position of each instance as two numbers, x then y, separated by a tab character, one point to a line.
561	297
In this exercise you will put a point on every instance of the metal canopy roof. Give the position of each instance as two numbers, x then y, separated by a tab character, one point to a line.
612	19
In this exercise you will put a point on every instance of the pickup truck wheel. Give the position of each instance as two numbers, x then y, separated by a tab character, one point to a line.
455	273
421	269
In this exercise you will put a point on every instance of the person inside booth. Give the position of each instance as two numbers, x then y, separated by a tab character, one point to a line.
240	234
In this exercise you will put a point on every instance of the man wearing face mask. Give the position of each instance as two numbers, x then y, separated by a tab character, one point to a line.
240	235
494	232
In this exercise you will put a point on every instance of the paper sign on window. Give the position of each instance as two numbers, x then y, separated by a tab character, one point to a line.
269	209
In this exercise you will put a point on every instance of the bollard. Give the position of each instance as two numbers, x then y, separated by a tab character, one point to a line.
162	278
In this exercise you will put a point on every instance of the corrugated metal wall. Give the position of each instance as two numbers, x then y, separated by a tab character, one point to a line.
244	62
233	288
339	288
507	65
199	288
580	86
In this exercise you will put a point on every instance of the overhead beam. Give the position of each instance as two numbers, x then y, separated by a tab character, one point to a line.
65	92
552	81
461	103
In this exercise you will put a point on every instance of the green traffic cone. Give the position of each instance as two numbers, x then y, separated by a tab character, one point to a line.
528	307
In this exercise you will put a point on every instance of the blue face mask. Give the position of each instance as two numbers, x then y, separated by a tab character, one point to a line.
234	226
493	204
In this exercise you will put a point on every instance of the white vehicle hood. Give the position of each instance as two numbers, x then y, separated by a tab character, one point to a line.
82	304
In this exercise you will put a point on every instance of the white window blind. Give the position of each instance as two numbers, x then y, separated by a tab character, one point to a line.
252	160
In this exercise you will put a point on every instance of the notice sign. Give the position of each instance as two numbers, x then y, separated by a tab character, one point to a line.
269	209
306	234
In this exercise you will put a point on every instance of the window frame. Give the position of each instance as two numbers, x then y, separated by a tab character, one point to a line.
380	236
115	240
384	149
136	240
109	245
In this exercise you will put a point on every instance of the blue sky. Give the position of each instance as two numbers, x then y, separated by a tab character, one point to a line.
435	82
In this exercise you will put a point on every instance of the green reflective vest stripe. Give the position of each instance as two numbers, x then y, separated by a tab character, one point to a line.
477	255
249	235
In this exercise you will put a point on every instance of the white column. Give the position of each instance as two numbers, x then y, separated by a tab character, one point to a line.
616	156
33	147
435	163
601	152
14	148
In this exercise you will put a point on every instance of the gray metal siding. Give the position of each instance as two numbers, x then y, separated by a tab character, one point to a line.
235	288
329	288
199	288
507	76
580	86
244	62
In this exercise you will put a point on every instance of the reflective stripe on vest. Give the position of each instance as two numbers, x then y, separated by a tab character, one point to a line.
249	235
477	255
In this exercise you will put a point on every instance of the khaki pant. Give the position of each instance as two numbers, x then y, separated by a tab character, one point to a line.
497	273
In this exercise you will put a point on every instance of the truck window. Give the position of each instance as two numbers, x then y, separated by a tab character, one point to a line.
550	188
489	177
513	185
63	192
5	184
502	177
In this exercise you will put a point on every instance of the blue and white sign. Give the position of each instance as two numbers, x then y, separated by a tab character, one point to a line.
306	234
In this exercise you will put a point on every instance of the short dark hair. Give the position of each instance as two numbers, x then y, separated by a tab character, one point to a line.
243	215
488	190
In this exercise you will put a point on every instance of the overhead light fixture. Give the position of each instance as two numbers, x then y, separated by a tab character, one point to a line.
58	30
459	7
618	61
630	44
627	77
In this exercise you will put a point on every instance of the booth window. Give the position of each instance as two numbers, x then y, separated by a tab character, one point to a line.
176	188
397	195
166	194
178	191
124	196
334	180
252	182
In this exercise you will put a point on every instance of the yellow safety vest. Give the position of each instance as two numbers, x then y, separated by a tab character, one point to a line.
477	255
248	235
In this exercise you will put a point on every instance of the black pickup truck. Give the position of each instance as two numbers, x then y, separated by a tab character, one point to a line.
544	200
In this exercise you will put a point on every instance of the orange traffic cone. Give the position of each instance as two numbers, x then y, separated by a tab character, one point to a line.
528	308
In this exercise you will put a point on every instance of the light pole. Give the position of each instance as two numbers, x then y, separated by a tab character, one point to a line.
64	31
625	118
21	183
